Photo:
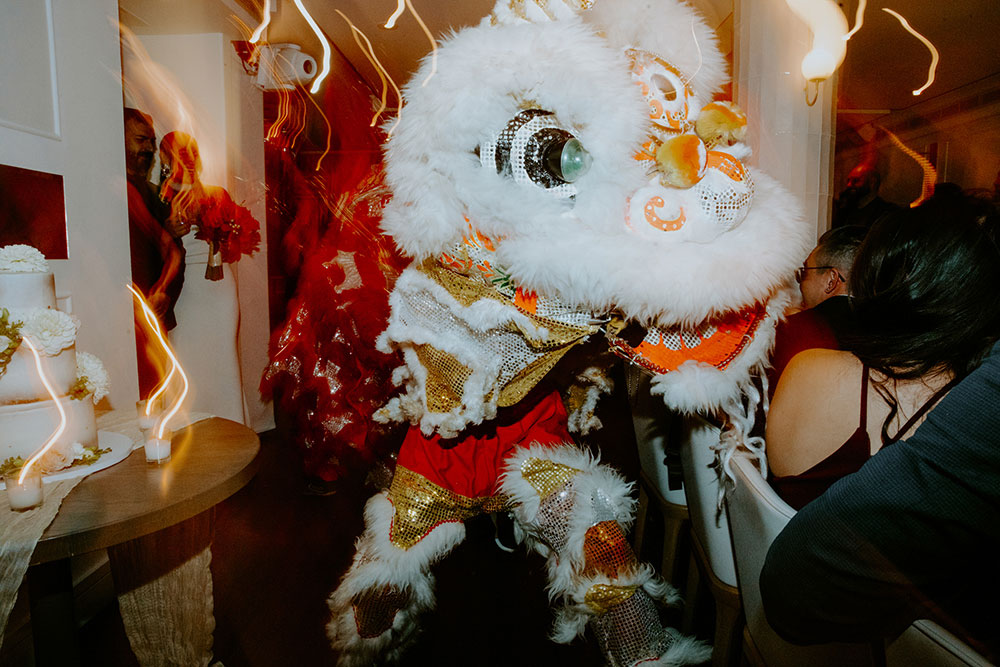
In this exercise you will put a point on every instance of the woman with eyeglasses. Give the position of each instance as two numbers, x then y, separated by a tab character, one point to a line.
926	309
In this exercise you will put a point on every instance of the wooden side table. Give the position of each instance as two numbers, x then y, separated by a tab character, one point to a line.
148	517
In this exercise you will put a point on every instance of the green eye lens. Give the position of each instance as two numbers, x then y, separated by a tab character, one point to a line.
574	161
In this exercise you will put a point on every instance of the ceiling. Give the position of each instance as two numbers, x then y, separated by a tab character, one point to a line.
400	48
884	63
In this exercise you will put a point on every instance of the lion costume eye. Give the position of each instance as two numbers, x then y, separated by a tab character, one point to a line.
535	149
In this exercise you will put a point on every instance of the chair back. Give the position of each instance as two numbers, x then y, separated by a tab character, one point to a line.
701	486
652	421
927	644
756	515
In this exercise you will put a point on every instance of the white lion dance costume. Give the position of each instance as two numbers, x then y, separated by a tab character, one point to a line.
558	180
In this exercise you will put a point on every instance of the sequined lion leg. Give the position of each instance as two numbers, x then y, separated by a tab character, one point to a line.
575	512
375	608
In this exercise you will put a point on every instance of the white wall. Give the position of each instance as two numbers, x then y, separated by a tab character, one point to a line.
793	142
204	91
86	147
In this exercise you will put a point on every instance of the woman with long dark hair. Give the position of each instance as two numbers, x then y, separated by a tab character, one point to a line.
926	304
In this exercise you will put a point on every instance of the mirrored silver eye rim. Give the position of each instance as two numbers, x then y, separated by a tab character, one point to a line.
549	156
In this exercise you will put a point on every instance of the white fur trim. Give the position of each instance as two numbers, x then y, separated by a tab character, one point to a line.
572	618
583	420
684	651
672	30
485	76
594	481
379	562
471	334
697	387
662	281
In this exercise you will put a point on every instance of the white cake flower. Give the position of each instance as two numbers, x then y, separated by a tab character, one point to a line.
22	259
51	331
91	372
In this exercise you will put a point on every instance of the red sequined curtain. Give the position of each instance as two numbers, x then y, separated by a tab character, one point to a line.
329	272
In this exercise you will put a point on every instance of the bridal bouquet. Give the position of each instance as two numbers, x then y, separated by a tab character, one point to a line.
230	231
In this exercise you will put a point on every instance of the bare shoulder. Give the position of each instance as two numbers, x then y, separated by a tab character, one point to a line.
824	363
815	409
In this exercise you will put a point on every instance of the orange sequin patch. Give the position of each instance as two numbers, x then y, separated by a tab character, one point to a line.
606	550
715	342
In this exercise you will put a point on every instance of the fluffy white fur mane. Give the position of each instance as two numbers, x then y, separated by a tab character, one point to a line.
584	252
673	30
486	75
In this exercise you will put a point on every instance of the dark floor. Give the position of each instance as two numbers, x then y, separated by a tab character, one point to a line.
278	553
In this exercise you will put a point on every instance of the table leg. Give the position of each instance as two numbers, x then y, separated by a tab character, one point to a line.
53	617
164	588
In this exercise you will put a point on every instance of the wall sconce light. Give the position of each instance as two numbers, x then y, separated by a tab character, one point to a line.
829	46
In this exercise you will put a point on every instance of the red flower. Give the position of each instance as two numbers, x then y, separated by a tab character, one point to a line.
229	228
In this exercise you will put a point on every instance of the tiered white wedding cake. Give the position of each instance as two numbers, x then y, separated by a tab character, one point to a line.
28	415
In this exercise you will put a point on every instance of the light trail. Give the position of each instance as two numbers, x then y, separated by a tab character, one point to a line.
154	324
322	38
930	47
391	23
62	413
859	19
369	52
265	20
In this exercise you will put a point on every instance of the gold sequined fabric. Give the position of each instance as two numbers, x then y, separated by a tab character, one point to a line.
546	476
420	505
607	551
630	632
601	598
563	324
520	355
446	377
375	609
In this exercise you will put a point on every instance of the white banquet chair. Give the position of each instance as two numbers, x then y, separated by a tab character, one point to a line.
756	515
654	426
711	547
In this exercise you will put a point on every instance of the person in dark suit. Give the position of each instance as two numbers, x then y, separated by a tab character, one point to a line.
157	258
859	203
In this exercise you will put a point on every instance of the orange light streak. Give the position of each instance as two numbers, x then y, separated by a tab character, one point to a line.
174	363
322	38
930	47
930	173
62	413
382	73
430	38
391	23
263	23
275	129
859	19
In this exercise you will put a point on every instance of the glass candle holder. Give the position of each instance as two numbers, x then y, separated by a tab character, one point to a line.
25	495
147	422
158	449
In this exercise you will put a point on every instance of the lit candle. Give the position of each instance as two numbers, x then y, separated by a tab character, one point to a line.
157	449
148	415
24	495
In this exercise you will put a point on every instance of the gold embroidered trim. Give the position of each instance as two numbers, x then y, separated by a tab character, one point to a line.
420	505
446	378
546	477
602	598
